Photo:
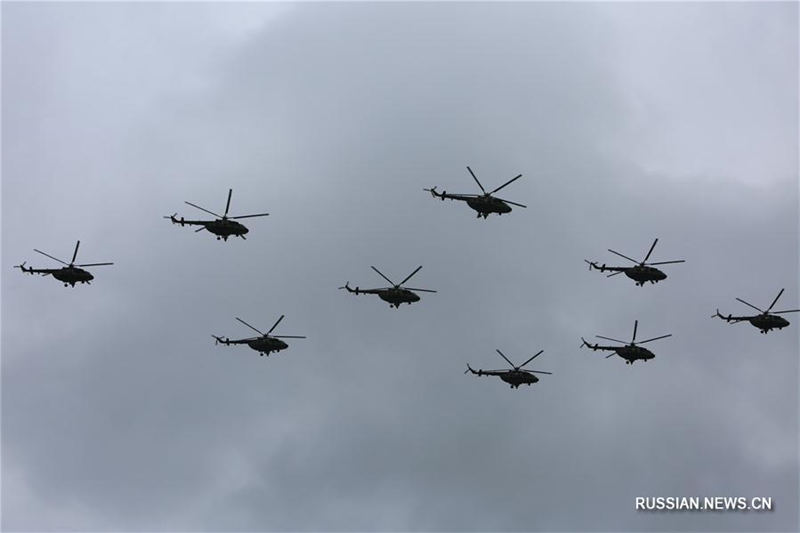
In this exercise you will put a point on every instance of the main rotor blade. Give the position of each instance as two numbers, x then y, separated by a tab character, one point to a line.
509	182
539	372
668	262
610	339
228	205
635	327
476	180
94	264
75	254
381	275
419	290
409	276
655	338
625	256
614	273
51	257
250	216
248	325
531	359
512	203
201	228
788	311
288	336
203	209
650	252
506	358
775	301
275	325
751	305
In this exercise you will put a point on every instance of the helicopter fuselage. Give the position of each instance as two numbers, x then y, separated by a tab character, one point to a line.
632	353
224	228
486	205
72	275
642	273
397	296
515	378
768	322
267	345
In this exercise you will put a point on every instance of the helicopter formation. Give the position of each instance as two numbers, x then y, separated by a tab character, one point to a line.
484	204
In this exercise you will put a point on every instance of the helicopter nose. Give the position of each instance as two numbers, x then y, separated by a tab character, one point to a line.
245	230
90	275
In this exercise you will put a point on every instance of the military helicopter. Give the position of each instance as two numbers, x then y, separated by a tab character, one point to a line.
70	274
266	343
516	376
642	272
223	227
765	321
485	203
395	295
630	352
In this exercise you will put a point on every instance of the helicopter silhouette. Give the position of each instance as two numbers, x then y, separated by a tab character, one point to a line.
766	321
265	344
223	227
515	376
69	274
630	352
485	204
641	272
395	295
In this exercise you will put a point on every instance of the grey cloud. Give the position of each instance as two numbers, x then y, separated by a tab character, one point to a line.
120	413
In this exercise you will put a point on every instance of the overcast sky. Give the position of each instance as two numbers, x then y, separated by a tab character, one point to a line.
628	121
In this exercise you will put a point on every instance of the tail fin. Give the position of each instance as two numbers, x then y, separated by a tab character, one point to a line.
29	270
723	317
175	220
347	286
586	343
220	340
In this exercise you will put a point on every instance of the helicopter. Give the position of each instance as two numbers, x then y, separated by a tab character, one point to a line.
630	352
395	295
485	204
516	376
265	344
223	227
765	321
641	272
69	274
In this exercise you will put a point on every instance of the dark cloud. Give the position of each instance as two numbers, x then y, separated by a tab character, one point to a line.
120	413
